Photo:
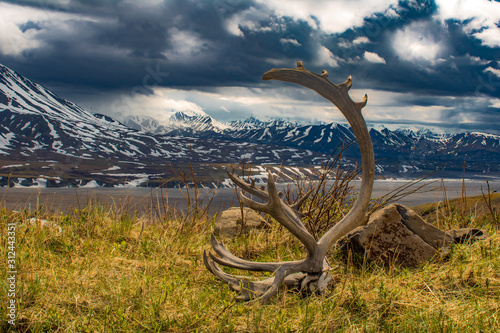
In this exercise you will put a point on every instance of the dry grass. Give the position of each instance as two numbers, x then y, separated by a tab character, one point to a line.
462	212
107	271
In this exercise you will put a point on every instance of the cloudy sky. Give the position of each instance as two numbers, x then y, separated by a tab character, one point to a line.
431	63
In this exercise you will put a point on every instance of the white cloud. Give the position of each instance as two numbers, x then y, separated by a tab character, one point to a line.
248	19
481	17
13	41
326	57
493	71
160	105
334	16
361	40
373	57
477	60
188	46
489	36
286	41
415	42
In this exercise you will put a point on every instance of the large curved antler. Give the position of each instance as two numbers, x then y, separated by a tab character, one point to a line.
313	271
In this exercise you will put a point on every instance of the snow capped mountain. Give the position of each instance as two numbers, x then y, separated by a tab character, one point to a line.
247	124
144	124
196	123
35	123
33	119
181	121
176	122
416	130
387	143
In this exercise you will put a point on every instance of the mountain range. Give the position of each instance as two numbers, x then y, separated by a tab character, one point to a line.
403	150
42	130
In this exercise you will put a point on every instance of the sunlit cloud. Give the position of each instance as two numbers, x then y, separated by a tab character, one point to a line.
334	16
374	58
415	42
493	70
361	40
160	105
24	28
481	17
249	19
289	41
326	57
188	47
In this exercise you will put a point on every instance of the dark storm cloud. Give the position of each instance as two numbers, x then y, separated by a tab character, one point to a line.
141	33
117	44
456	73
140	36
91	7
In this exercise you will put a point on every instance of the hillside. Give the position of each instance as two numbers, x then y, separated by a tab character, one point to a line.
43	136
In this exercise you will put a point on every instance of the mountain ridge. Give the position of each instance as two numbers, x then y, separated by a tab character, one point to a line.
36	123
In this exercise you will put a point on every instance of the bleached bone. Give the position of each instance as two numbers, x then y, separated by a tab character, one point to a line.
311	273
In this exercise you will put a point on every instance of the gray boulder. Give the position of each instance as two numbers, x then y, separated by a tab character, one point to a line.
230	223
467	235
395	235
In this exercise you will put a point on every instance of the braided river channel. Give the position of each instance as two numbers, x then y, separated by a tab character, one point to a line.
144	200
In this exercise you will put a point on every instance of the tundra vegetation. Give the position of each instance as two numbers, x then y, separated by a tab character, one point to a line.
106	268
111	270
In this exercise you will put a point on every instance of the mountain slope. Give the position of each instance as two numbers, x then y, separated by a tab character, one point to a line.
177	122
35	121
396	151
38	119
403	145
36	124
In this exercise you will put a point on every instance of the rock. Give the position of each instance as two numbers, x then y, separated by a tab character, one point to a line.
230	224
396	235
465	235
430	234
44	223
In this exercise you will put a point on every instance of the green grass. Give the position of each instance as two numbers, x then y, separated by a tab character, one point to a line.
112	272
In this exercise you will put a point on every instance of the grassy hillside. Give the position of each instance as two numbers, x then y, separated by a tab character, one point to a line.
462	212
110	271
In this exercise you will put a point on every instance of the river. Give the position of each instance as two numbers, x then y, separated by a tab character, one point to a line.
154	199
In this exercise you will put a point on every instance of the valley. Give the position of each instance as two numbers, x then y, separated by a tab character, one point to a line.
46	141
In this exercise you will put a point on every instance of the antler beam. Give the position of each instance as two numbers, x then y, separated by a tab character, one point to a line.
311	273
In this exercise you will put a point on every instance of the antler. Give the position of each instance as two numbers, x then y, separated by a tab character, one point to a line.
313	271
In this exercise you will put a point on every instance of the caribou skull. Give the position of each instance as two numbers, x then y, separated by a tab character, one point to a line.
311	273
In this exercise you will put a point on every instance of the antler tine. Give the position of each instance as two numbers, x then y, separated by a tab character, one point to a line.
362	103
338	95
279	278
250	188
282	213
296	206
230	260
251	289
347	84
248	289
313	271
